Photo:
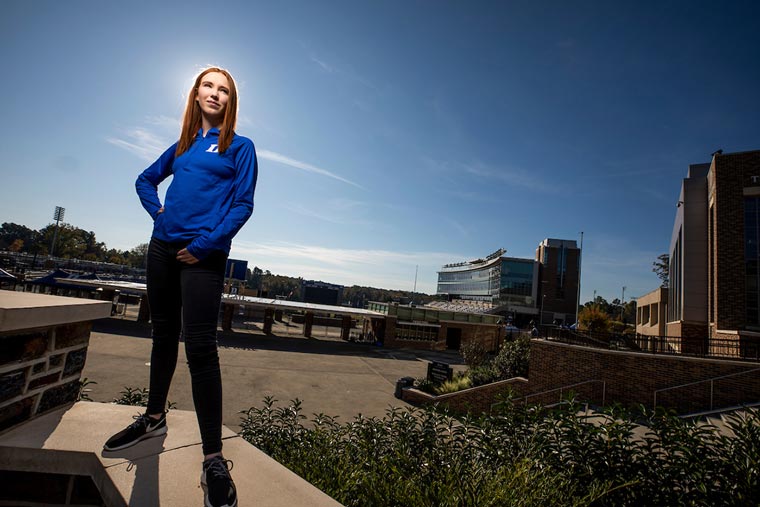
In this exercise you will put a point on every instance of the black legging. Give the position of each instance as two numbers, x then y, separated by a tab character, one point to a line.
185	298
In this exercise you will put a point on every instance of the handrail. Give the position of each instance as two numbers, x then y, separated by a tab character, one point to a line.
560	389
712	384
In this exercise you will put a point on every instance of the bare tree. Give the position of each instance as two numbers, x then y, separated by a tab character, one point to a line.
661	268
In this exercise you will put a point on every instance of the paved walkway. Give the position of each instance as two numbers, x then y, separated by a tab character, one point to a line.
329	376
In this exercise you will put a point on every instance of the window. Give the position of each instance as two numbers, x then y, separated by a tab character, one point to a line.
751	258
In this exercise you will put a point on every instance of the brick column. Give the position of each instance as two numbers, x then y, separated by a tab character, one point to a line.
268	320
228	311
308	322
143	314
345	328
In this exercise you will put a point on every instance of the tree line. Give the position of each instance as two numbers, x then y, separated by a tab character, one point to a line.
75	243
356	296
70	243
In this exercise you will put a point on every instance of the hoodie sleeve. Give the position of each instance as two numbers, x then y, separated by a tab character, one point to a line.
147	183
244	186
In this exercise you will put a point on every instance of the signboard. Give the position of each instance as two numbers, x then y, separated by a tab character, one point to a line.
439	372
236	269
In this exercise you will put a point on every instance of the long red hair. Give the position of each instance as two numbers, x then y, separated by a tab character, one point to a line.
192	119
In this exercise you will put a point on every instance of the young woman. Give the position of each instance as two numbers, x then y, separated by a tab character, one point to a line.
210	198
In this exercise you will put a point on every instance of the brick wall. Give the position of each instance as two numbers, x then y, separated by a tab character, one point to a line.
476	399
40	370
488	335
630	378
731	174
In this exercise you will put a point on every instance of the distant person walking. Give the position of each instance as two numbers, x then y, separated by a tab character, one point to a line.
209	199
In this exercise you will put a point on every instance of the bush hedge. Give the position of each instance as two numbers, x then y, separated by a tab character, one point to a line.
522	456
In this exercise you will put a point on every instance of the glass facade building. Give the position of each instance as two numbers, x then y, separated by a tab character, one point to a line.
496	280
475	280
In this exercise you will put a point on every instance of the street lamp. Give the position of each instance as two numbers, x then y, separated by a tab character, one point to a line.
541	316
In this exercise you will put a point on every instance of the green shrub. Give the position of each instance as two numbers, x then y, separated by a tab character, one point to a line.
482	375
513	359
425	385
474	353
84	391
522	456
137	397
458	383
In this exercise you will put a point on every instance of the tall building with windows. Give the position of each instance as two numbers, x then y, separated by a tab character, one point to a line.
543	289
714	255
559	261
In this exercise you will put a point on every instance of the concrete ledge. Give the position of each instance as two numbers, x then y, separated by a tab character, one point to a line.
159	471
26	310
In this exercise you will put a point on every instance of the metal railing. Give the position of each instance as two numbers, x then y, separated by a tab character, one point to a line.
718	348
711	383
563	389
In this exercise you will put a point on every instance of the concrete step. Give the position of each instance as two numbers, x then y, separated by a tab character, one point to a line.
160	471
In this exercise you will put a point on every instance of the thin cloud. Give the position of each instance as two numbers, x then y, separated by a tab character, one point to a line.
346	72
145	143
335	214
166	122
510	176
376	268
343	256
282	159
141	142
325	66
459	227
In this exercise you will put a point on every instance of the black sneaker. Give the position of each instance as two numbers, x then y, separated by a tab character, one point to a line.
218	488
143	427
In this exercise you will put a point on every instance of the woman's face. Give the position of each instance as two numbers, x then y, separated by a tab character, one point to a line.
213	94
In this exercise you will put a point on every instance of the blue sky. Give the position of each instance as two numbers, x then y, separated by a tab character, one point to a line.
390	134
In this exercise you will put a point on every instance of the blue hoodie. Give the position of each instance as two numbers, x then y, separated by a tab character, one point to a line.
210	196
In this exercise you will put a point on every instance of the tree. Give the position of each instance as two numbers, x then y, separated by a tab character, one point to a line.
253	278
10	232
594	319
138	255
661	268
17	245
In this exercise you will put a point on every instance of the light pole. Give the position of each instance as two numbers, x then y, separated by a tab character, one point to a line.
543	298
580	262
622	305
414	290
57	216
541	316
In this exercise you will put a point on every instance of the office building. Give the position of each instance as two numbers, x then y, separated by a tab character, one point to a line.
714	255
542	290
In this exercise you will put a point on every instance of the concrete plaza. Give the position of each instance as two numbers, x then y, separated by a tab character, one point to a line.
328	375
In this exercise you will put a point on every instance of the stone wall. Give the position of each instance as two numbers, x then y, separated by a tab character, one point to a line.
40	370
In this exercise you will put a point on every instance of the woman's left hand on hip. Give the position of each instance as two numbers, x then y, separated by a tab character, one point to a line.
186	257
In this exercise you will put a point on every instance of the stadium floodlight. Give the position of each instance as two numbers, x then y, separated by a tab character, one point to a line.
58	217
